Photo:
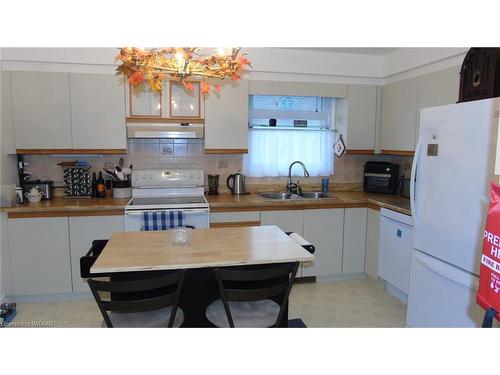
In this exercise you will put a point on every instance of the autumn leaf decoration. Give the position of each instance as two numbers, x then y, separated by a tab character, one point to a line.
154	66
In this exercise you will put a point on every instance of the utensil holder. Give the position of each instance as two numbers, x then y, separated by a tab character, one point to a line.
121	189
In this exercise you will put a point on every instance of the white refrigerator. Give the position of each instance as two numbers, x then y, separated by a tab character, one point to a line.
452	169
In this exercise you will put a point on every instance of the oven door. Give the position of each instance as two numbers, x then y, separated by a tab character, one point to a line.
195	217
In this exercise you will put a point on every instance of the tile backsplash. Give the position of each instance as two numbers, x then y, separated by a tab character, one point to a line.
151	153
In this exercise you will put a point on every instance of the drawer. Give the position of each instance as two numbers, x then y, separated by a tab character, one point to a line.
227	217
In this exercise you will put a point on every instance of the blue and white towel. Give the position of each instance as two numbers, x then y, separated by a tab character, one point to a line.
162	220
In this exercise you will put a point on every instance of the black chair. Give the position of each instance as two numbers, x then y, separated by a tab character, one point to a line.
140	300
252	296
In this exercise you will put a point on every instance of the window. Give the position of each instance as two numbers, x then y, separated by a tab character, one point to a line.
271	149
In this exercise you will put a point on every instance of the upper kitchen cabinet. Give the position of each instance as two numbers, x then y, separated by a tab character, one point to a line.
182	103
7	130
226	119
144	102
173	103
356	118
438	88
399	121
98	108
402	102
41	111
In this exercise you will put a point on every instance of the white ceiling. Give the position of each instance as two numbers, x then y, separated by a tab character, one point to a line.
360	51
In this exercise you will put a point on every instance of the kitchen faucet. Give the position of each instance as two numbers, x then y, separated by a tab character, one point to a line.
293	187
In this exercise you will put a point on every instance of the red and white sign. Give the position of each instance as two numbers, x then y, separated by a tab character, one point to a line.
488	296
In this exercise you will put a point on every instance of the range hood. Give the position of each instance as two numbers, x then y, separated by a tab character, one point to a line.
165	130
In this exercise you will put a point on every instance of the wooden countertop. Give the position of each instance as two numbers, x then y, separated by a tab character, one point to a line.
68	207
254	202
218	203
139	251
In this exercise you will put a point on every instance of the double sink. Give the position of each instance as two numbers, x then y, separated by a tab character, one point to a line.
285	195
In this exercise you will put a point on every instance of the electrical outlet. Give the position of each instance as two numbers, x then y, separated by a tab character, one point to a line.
221	164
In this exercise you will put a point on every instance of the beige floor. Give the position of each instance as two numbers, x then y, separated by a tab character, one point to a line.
353	303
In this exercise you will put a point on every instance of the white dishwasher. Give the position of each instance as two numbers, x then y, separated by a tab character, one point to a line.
395	244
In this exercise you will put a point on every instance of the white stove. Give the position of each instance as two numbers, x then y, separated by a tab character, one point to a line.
164	194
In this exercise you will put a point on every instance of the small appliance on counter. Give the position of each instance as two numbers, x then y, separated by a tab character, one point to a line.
213	184
404	187
381	177
236	183
46	187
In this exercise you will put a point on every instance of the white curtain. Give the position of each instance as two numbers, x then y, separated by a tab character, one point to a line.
270	152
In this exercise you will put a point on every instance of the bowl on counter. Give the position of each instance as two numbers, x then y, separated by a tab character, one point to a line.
180	235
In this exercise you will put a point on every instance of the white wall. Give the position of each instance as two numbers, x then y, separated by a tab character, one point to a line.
268	63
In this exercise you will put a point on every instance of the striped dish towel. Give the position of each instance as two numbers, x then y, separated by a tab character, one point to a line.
162	220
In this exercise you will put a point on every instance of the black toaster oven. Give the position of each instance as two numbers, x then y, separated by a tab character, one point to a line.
381	177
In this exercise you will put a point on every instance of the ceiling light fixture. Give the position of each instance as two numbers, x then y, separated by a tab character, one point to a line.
156	65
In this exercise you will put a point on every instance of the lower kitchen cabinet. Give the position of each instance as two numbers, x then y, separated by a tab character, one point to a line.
288	221
353	257
372	241
324	229
82	231
39	255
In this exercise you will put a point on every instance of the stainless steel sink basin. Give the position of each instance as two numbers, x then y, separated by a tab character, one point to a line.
283	195
314	195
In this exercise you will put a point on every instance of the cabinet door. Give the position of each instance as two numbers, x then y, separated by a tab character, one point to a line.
361	117
98	111
41	110
324	229
143	102
438	88
288	221
39	256
399	107
226	119
372	240
353	255
83	230
183	103
8	144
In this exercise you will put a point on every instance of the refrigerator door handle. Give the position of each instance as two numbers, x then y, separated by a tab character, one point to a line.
449	272
414	168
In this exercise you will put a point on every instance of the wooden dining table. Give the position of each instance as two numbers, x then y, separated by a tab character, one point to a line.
128	252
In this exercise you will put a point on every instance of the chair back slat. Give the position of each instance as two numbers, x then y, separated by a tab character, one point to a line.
138	294
254	283
137	285
255	294
140	305
255	273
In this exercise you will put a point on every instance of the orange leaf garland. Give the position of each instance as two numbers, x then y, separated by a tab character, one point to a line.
137	78
156	65
187	85
205	87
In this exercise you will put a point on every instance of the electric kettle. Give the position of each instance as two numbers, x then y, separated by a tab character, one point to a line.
236	183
